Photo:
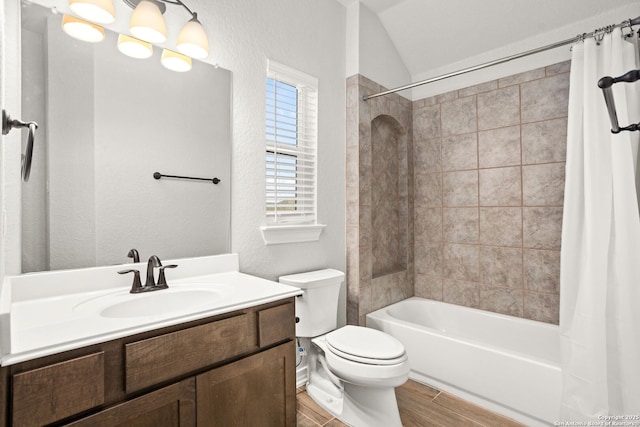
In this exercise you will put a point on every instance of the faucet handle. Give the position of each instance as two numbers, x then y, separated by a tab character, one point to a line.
136	287
162	281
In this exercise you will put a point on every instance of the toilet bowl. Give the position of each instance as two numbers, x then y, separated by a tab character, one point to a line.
352	370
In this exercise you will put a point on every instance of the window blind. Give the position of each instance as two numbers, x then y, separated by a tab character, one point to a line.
291	146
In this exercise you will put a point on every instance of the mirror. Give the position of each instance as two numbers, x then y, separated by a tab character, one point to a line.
107	123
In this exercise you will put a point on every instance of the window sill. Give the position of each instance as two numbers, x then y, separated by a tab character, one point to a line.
279	234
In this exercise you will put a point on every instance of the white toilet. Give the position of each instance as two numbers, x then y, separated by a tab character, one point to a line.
352	370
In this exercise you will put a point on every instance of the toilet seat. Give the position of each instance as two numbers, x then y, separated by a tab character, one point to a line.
365	345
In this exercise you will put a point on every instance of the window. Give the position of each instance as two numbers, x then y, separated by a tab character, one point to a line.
291	156
291	134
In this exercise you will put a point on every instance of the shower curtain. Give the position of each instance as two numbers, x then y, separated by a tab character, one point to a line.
600	257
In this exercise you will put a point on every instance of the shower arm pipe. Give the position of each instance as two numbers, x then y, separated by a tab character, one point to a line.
578	38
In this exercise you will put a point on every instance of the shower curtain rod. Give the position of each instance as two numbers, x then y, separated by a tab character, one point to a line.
580	37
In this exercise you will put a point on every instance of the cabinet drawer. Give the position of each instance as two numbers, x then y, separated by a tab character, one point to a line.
51	393
168	356
276	324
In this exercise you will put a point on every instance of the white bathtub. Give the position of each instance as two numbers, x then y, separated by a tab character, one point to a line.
503	363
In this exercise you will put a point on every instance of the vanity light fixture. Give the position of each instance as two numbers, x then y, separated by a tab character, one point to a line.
134	47
148	24
175	61
100	11
192	40
81	29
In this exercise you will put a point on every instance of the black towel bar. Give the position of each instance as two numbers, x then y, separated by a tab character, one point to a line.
158	175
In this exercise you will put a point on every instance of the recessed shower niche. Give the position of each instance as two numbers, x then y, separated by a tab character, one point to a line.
389	202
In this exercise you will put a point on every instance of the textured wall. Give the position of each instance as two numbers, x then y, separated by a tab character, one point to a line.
489	182
308	36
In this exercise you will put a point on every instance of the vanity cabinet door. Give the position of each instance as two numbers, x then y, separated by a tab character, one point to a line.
258	390
172	406
57	391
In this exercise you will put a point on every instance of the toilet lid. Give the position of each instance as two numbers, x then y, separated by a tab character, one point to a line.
365	345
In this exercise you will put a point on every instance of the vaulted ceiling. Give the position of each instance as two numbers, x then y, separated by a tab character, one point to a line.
430	34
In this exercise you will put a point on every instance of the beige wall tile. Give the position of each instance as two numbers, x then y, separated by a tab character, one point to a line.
527	76
459	116
561	67
501	226
545	98
500	187
544	142
499	108
461	262
542	270
501	266
365	305
428	287
353	166
542	227
365	223
448	96
460	188
428	190
365	265
427	155
425	102
479	88
460	225
459	183
542	307
426	123
502	300
428	258
543	185
353	201
428	224
461	293
460	152
499	147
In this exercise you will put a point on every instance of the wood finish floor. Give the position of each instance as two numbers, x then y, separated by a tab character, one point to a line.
420	406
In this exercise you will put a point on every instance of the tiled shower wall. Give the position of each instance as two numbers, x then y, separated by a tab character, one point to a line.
379	206
489	182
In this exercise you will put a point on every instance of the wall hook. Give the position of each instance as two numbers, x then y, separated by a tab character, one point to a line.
7	124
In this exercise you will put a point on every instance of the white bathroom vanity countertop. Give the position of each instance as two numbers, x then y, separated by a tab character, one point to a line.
51	312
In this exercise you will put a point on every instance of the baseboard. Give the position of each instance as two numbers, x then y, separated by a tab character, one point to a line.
302	376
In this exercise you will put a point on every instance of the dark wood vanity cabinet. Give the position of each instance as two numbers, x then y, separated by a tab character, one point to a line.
235	369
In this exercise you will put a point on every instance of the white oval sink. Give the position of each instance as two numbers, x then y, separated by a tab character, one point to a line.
156	303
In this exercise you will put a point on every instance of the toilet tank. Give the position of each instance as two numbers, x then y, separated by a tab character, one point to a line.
317	307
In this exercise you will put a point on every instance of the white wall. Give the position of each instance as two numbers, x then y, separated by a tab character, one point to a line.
520	65
370	51
308	35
